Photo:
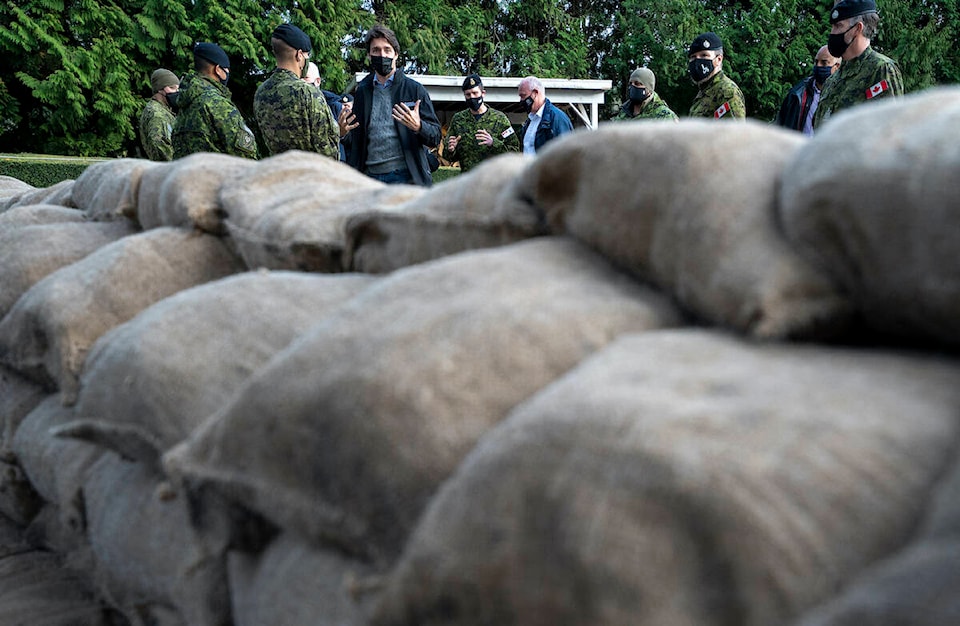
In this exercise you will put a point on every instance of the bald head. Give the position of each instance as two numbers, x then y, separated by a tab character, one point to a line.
827	61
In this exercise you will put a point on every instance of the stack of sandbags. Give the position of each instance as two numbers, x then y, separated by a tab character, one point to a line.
684	477
185	193
47	334
148	383
107	190
872	200
691	208
30	253
462	213
344	437
289	211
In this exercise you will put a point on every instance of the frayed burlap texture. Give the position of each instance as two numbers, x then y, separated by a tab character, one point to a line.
684	477
872	200
185	193
47	334
107	190
289	212
150	382
30	253
345	435
459	214
691	208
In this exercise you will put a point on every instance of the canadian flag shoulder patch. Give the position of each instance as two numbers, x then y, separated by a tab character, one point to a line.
877	89
722	110
506	133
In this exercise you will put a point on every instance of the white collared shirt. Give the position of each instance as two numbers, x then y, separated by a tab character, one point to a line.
530	136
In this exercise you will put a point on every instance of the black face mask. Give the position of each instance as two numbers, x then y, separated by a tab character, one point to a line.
527	104
638	94
474	103
381	65
172	99
837	45
821	73
699	69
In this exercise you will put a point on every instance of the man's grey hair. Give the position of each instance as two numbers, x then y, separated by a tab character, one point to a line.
871	22
531	83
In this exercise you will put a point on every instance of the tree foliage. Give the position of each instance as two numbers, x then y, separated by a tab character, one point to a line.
75	72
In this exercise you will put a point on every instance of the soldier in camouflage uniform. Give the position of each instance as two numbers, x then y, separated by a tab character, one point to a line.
208	120
290	113
865	73
644	103
719	97
479	132
156	120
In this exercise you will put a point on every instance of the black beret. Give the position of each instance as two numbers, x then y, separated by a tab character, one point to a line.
471	81
293	37
212	53
346	98
706	41
851	8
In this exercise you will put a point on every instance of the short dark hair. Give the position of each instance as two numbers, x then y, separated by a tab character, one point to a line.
202	65
379	31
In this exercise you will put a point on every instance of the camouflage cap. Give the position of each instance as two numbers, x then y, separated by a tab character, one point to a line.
851	8
213	53
706	41
471	81
293	37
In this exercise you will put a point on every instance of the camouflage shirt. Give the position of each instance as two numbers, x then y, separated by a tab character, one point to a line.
469	152
719	98
868	77
653	109
293	115
209	121
156	126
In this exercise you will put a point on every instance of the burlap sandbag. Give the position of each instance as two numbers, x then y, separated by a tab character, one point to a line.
11	187
149	555
459	214
36	214
60	194
56	469
36	590
185	192
873	201
684	477
18	396
345	435
107	190
149	382
289	211
690	208
47	334
29	253
294	584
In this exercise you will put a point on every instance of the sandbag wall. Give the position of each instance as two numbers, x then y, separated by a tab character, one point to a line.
660	374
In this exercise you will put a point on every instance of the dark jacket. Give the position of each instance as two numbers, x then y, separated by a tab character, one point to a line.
796	105
553	124
413	144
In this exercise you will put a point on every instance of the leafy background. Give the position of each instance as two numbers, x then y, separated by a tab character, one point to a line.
74	73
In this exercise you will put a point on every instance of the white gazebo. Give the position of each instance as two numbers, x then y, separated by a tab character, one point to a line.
582	99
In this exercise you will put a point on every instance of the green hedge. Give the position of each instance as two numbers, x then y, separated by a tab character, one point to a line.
43	171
